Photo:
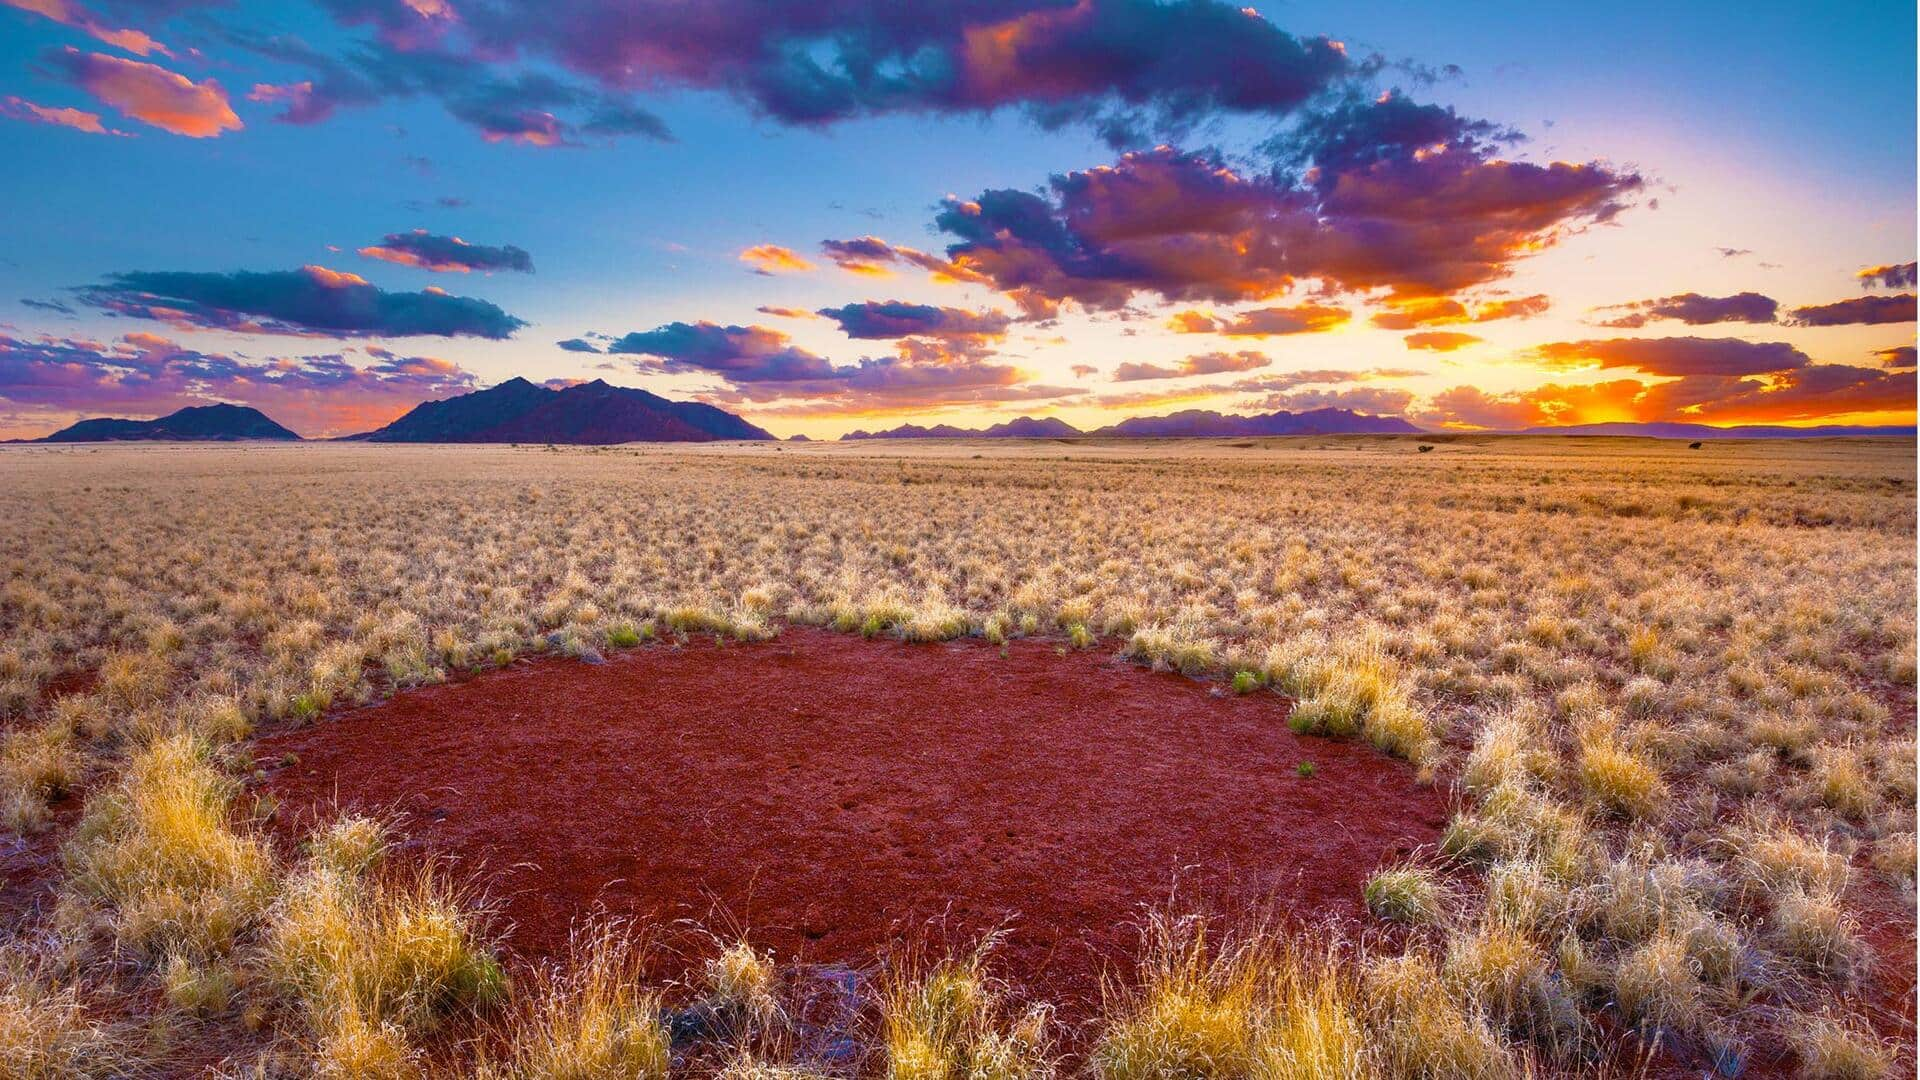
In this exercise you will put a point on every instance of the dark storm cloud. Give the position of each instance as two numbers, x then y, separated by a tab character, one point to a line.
877	319
1696	310
1678	356
429	251
1859	311
311	300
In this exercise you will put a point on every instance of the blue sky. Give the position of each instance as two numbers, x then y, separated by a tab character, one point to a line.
1779	131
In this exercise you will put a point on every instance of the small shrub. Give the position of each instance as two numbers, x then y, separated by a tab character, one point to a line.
1616	779
1832	1048
1406	894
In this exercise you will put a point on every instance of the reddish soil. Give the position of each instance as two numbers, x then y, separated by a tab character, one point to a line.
836	797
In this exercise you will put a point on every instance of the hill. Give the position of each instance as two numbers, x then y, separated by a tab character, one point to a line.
1026	427
196	423
1203	423
594	413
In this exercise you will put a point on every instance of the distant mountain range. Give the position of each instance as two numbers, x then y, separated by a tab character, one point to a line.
197	423
1189	424
1024	428
594	413
1202	423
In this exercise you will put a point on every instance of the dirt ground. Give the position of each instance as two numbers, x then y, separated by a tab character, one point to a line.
835	798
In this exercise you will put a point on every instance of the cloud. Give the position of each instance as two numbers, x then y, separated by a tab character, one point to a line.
1422	311
1120	66
428	251
786	312
1416	311
875	319
57	380
872	257
1265	322
761	365
1520	307
1892	276
150	93
1898	356
1696	310
1812	393
79	120
1440	340
500	103
774	259
1375	400
311	300
1291	380
77	16
1189	227
741	354
579	345
1675	355
1211	363
1863	310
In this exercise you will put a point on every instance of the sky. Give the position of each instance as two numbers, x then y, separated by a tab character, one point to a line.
835	215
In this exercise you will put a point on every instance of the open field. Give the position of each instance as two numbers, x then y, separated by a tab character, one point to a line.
1663	699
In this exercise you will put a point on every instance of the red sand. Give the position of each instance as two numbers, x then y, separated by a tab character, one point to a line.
836	796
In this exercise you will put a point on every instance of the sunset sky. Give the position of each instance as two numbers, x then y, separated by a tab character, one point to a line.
830	215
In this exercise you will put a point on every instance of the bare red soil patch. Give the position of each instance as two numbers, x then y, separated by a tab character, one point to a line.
836	796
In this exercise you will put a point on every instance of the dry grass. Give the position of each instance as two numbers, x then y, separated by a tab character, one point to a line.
591	1019
1676	691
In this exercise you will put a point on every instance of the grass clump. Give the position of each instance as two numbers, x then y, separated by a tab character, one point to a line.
1421	1028
588	1019
1260	1007
1404	894
1620	781
373	956
953	1021
47	1034
742	981
1358	691
160	851
1833	1048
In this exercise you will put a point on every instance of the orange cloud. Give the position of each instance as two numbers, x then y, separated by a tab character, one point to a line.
1265	322
150	93
81	19
774	259
1821	392
1520	307
1440	340
21	109
1421	311
1212	363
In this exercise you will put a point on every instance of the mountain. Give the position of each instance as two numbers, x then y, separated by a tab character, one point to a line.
1203	423
591	413
1026	427
1704	431
197	423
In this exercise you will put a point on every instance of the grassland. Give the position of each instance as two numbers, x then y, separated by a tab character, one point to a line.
1673	690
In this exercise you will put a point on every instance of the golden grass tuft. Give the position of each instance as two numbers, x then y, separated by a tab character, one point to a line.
588	1019
160	850
393	949
953	1020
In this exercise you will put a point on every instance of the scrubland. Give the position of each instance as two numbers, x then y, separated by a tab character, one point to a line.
1671	690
